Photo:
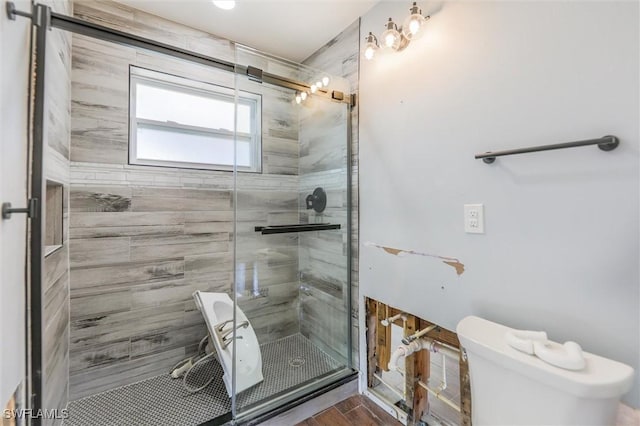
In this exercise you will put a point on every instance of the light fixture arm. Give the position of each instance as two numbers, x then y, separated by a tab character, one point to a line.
404	42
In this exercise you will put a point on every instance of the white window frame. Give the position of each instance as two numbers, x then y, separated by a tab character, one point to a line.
185	85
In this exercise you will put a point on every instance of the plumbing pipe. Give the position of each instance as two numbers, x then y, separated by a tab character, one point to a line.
418	334
439	347
418	345
443	384
400	352
387	321
440	396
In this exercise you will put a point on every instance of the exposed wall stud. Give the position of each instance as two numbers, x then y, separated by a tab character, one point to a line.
410	327
372	322
465	393
422	371
383	338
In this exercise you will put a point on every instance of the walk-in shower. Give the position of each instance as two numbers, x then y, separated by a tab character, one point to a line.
195	166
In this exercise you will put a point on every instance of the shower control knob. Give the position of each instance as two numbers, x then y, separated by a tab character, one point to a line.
317	201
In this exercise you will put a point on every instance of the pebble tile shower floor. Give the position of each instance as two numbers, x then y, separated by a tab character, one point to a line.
162	400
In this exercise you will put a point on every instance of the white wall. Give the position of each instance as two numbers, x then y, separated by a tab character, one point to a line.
561	249
14	71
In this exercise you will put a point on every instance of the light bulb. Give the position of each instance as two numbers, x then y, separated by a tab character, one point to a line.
319	84
225	4
298	99
303	95
371	46
369	52
412	26
391	37
314	88
325	80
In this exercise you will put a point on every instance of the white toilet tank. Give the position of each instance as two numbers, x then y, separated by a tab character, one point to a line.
510	387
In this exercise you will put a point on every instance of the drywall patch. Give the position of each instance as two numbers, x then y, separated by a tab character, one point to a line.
451	261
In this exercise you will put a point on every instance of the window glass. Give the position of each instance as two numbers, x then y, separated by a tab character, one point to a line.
179	123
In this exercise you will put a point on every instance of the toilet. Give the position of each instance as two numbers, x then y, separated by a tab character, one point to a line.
511	385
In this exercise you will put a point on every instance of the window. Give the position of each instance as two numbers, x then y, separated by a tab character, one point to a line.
177	122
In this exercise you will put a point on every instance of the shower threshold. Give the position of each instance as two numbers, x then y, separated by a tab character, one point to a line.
290	362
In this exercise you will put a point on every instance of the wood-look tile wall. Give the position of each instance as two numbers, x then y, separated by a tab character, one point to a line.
143	239
55	337
322	163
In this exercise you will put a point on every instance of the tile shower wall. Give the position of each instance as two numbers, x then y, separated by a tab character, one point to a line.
143	239
322	256
55	337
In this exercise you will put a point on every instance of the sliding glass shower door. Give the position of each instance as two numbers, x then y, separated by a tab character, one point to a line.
199	185
291	237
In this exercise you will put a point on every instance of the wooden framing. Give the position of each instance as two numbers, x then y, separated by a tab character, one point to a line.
465	392
383	337
417	365
372	322
417	368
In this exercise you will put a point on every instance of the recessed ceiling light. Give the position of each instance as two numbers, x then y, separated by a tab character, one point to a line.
225	4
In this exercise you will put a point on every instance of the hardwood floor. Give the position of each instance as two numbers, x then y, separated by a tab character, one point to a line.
355	410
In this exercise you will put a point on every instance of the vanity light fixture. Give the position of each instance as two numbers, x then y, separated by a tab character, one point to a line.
395	38
225	4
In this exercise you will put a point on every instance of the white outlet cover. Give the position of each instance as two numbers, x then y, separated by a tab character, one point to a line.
474	218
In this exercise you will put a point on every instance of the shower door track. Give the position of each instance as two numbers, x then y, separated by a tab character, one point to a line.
43	20
100	32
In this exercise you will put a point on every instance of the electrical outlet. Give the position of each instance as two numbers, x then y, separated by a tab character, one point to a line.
474	218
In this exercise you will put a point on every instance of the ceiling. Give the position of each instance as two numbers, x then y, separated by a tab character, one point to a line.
292	29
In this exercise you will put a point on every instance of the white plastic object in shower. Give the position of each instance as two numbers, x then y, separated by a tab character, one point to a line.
217	310
523	340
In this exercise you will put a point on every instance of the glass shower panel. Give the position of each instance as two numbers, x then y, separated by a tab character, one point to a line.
323	255
163	239
291	245
143	238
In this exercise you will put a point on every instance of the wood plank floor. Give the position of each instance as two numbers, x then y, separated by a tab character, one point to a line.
355	410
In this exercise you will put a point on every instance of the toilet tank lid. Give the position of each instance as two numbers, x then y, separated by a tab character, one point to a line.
601	378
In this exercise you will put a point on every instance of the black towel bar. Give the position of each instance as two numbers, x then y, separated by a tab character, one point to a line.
303	227
605	143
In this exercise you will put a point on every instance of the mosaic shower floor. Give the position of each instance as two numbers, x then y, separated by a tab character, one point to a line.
286	363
